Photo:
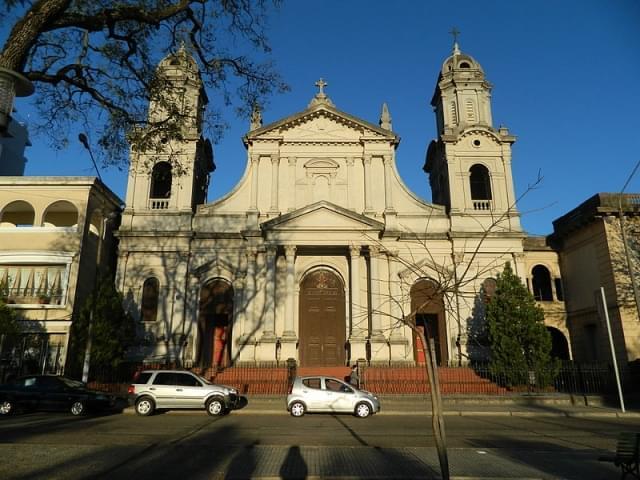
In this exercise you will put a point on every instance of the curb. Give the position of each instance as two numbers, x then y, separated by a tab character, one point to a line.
448	413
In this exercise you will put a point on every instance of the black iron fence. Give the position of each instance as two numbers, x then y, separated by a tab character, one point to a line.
569	378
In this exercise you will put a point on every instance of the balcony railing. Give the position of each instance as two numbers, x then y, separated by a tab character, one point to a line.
20	296
158	204
482	205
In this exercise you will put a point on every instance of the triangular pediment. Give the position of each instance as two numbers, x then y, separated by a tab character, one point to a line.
323	216
321	123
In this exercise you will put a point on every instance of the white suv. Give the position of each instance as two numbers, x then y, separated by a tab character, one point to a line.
152	389
328	394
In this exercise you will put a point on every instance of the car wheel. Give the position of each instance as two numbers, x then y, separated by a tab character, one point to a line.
77	408
6	407
145	406
215	407
363	410
297	409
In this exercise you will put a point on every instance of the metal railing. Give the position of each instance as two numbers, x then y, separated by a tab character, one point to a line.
570	378
26	296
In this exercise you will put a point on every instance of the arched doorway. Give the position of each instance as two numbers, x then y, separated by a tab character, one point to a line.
428	307
214	323
322	320
559	344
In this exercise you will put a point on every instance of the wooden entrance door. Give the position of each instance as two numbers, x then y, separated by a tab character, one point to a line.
322	320
427	323
214	323
428	307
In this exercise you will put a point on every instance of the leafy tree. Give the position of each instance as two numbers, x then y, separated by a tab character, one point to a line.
112	328
93	63
9	325
518	339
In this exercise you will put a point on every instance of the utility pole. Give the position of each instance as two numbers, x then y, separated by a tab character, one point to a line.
87	352
630	269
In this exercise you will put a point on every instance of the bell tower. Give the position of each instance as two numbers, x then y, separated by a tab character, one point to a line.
170	161
469	164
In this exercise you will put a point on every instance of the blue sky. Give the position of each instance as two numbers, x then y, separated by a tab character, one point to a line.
566	78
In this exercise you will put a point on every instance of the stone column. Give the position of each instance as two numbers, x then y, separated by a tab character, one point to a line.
269	332
388	189
292	183
376	314
397	339
390	214
379	350
246	340
289	337
290	255
368	208
350	201
359	316
253	206
275	169
250	290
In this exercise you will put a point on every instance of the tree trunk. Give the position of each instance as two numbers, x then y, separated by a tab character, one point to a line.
437	418
26	31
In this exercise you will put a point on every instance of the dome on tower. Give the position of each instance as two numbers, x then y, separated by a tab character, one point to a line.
459	61
180	60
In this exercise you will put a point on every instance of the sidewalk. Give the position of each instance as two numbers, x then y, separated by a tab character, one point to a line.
514	406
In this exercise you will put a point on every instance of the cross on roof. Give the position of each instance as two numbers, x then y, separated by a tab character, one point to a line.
321	84
455	32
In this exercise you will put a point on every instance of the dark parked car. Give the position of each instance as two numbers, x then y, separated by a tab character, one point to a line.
51	392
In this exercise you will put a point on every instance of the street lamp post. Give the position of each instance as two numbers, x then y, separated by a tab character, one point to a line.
12	85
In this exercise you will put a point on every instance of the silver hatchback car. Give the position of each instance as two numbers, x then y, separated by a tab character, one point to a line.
319	393
152	389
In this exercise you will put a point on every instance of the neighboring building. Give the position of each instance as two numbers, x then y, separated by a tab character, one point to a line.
593	255
54	231
321	249
12	147
544	280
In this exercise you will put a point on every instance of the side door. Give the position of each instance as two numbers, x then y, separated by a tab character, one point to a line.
340	396
163	388
313	395
53	394
189	391
25	393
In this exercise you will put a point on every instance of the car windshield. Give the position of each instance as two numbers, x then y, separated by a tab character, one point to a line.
72	383
203	379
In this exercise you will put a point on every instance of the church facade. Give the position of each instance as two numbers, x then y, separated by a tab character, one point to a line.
321	253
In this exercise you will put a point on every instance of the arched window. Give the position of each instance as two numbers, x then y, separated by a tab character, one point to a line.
18	214
161	180
488	289
480	183
541	283
559	344
150	295
61	214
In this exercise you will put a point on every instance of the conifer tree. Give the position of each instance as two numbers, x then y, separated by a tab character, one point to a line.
112	328
519	341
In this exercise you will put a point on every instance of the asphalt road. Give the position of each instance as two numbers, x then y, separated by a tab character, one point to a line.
194	445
